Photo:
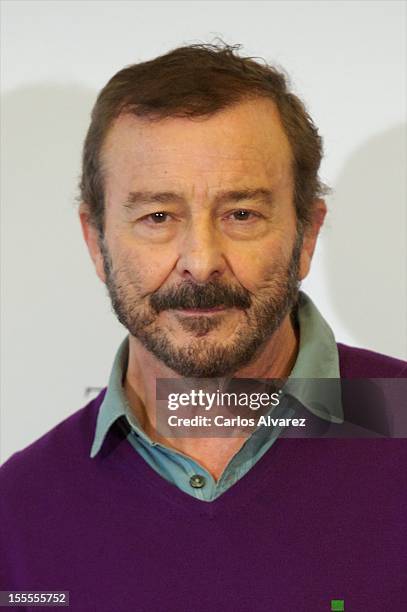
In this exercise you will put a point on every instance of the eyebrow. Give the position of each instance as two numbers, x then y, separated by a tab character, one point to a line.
136	198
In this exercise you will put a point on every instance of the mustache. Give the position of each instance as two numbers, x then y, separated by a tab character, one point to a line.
191	296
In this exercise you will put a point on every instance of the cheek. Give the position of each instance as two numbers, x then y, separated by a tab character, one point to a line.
146	268
257	268
251	271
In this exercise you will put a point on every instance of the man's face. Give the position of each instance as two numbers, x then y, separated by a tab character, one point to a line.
200	253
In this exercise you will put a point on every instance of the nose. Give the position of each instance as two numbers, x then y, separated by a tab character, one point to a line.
200	253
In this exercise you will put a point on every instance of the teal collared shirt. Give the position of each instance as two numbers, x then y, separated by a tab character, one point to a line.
317	358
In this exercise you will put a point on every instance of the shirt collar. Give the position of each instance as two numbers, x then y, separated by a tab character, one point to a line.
317	358
115	402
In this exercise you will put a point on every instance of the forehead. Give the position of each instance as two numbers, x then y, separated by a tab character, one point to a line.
243	142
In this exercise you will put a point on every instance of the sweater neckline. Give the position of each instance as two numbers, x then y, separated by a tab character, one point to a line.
119	455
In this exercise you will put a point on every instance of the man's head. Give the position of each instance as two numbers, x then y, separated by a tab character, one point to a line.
201	204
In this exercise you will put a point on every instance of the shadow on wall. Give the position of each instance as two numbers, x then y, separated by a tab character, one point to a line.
366	254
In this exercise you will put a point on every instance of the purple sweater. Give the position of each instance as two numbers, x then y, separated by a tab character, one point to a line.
314	520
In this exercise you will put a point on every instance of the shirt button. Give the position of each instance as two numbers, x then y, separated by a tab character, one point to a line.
197	481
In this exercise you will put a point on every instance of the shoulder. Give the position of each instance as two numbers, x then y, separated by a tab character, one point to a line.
361	363
66	444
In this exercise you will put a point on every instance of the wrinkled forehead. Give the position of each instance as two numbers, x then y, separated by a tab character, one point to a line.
239	143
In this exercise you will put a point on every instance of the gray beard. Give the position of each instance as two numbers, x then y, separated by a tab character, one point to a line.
201	358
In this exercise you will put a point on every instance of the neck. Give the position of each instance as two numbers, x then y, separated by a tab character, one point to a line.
276	360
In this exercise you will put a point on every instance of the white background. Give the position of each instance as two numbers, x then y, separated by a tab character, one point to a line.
348	62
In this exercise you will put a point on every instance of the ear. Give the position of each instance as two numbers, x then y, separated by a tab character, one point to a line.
91	237
310	237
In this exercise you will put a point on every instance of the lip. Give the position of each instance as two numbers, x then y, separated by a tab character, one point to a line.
201	311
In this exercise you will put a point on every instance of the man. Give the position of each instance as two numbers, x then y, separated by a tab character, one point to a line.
201	207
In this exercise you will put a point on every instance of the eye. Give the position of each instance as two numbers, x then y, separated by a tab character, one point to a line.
157	217
244	215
